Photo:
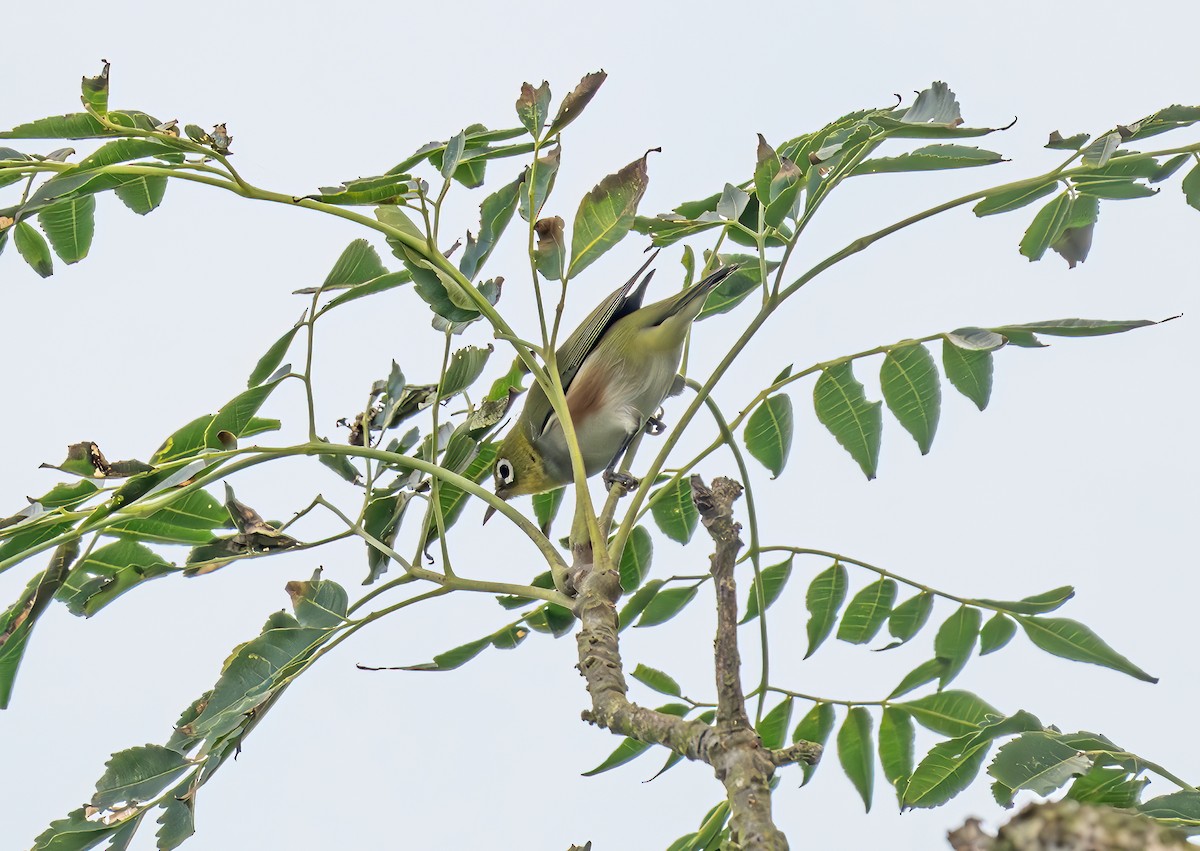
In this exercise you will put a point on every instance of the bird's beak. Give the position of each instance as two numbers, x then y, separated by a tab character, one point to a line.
491	509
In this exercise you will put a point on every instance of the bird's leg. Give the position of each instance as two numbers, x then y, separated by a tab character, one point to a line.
614	477
655	424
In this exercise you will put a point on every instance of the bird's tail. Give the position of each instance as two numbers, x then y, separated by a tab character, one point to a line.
687	301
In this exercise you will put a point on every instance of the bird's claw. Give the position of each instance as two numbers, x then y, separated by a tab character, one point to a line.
626	481
655	425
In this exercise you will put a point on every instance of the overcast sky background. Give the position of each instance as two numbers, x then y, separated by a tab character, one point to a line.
1082	471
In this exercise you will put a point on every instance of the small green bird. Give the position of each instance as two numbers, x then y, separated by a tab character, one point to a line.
616	370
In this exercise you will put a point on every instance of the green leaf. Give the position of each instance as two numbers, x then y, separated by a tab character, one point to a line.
550	254
545	507
574	103
1069	639
896	736
452	154
177	820
907	619
358	263
929	158
33	249
544	174
674	511
867	611
76	832
142	193
732	291
70	224
369	191
970	371
656	680
1076	327
996	633
107	573
950	713
1038	604
68	495
1112	787
75	125
274	356
825	596
666	605
95	92
768	432
318	602
855	752
138	774
1191	187
770	581
635	558
18	621
946	770
766	167
955	641
466	365
924	673
1071	143
381	284
733	203
189	520
1116	189
122	150
774	725
455	657
1047	227
237	416
913	393
1006	201
842	407
630	749
815	726
606	214
1099	152
1182	808
1038	762
495	213
533	107
785	190
638	602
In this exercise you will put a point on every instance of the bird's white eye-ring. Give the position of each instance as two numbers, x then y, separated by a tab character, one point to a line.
504	471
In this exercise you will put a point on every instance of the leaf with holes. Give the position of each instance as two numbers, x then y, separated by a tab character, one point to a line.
1038	762
842	407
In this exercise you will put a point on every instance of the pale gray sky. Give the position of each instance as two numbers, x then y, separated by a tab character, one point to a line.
1082	471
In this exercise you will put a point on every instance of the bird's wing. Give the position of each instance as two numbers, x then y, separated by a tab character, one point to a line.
583	341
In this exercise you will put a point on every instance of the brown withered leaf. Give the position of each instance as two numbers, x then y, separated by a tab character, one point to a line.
86	459
574	103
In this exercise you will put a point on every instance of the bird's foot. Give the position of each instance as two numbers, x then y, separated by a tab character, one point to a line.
625	481
655	424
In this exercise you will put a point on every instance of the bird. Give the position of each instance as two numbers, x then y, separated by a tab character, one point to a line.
616	368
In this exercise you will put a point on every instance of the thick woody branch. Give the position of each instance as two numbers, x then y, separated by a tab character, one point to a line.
1070	826
731	746
734	750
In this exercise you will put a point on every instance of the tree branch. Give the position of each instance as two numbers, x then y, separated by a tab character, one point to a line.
735	751
731	747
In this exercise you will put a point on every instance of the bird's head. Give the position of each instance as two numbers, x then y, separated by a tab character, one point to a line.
518	468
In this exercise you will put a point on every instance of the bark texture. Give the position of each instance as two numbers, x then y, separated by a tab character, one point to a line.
1070	826
730	746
